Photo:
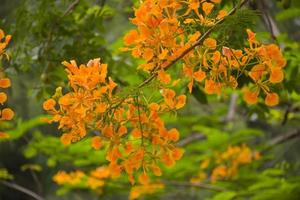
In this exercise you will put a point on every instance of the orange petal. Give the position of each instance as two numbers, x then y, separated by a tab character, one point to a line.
97	142
250	97
3	97
276	75
144	178
5	83
7	114
49	104
272	99
173	135
199	75
210	43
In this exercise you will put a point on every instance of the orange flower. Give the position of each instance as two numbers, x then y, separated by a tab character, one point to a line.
148	54
204	164
276	75
199	75
216	57
222	14
136	133
219	172
5	83
156	170
257	72
7	114
66	138
101	108
251	37
163	54
272	99
61	177
131	37
193	38
94	183
128	148
167	160
96	142
211	87
169	95
115	170
177	153
207	8
163	77
180	101
173	135
144	178
49	104
4	135
3	97
210	43
3	44
250	97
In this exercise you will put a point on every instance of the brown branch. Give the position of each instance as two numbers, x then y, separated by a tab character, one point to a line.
191	138
193	46
71	7
198	185
284	137
268	21
21	189
286	115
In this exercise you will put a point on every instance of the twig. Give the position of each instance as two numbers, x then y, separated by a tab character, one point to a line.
281	139
197	43
21	189
284	137
268	20
71	7
199	185
286	115
232	108
37	181
191	138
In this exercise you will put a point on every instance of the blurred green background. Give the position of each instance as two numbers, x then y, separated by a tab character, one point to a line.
47	32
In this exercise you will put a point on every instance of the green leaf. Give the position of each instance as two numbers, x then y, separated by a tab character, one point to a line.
224	196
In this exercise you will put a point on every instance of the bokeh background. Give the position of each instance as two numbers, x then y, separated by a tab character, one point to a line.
47	32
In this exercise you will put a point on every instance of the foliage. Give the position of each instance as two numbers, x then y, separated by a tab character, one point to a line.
191	103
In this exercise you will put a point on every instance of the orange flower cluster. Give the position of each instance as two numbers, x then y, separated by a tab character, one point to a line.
159	37
225	165
139	190
131	128
95	180
5	113
221	69
162	35
128	125
205	12
267	71
90	97
4	41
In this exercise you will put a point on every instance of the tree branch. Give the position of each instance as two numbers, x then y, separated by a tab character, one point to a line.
198	185
284	137
21	189
197	43
191	138
71	7
231	108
